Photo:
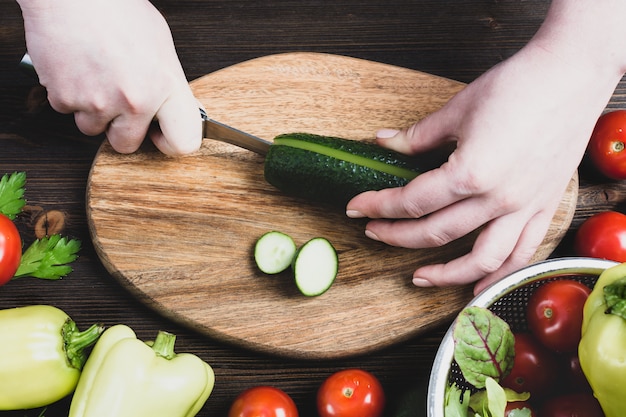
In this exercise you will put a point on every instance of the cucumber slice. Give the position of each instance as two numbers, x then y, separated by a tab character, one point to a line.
274	252
315	266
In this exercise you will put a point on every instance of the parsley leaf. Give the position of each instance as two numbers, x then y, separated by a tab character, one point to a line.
47	258
12	194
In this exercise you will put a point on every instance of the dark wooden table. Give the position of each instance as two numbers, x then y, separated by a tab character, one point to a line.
457	39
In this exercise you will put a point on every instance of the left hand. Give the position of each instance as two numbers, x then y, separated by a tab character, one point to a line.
520	130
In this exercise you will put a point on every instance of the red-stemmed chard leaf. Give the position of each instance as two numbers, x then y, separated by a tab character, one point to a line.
484	345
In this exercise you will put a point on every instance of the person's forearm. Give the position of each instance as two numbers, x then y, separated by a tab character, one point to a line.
587	33
33	6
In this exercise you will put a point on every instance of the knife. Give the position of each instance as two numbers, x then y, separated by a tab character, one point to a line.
211	129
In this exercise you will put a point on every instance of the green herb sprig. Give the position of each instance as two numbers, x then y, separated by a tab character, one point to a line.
12	194
46	258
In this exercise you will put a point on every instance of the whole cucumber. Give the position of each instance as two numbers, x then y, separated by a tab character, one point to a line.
333	170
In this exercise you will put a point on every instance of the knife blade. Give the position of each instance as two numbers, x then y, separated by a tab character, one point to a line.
212	129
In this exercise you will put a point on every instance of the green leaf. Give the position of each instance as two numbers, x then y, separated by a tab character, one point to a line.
496	398
456	403
48	258
484	345
491	402
521	412
12	194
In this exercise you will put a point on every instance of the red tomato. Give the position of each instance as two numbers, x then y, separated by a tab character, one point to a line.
518	405
351	393
535	368
602	235
263	401
573	376
10	249
555	314
579	404
607	146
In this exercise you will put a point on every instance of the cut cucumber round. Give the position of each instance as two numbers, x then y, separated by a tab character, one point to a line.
315	266
274	252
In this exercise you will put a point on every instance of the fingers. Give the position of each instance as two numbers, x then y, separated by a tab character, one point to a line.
436	229
91	123
180	124
527	245
504	246
178	132
426	134
428	192
491	248
127	131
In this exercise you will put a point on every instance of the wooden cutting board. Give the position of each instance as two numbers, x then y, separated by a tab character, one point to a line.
178	232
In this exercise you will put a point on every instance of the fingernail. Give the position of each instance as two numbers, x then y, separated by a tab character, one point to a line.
421	282
371	235
355	214
386	133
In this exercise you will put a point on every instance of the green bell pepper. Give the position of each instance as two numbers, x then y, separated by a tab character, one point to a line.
602	349
41	355
125	377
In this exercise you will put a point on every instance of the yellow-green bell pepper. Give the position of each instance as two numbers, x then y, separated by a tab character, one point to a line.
602	349
125	377
41	355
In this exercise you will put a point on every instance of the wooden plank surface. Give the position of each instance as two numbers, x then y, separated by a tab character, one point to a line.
178	232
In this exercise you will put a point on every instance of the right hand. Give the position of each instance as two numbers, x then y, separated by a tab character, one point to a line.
113	64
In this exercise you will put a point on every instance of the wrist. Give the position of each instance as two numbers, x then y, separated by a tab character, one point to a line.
586	34
35	9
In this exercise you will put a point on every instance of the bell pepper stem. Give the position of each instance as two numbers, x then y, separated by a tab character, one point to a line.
615	298
75	342
164	344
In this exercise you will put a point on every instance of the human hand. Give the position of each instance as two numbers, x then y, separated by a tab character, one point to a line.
113	64
520	132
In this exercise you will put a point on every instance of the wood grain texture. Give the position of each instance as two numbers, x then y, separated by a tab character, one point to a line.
179	232
459	39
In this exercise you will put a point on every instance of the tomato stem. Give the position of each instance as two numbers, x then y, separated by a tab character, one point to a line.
547	312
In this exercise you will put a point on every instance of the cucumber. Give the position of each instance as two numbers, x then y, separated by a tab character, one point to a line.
333	170
274	252
315	266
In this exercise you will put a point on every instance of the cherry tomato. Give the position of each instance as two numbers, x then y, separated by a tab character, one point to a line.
573	376
10	249
263	401
602	235
579	404
555	314
351	393
518	405
535	368
607	146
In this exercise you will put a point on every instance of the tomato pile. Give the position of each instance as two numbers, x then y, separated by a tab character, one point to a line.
346	393
546	357
603	235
